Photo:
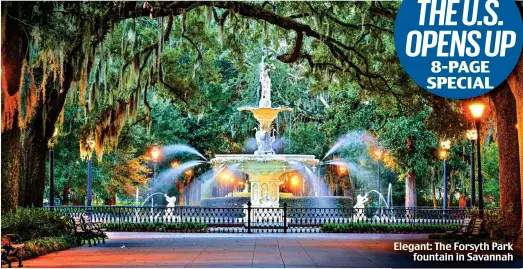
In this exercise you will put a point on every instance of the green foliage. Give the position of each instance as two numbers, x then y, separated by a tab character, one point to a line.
224	202
45	245
35	223
188	227
363	227
490	172
209	67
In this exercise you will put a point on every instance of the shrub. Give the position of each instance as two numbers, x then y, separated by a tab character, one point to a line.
318	202
44	245
33	223
363	227
500	225
156	227
224	202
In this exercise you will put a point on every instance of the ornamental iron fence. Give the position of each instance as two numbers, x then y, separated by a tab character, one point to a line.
250	219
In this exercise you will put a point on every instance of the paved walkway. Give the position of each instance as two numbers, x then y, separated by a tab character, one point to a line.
245	250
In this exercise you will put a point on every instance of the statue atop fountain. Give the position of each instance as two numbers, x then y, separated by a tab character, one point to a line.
265	81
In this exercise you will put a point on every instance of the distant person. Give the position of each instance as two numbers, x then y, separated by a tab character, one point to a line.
462	201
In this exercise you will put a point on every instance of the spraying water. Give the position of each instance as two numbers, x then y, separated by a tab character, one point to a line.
180	148
171	174
148	197
379	196
389	196
344	141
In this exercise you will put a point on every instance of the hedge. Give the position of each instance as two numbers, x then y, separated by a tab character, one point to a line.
41	230
193	227
294	202
386	228
33	223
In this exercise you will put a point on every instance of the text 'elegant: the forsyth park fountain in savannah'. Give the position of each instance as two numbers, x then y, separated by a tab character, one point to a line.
265	167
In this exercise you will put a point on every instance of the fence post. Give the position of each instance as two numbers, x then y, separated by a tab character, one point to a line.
284	217
249	217
119	217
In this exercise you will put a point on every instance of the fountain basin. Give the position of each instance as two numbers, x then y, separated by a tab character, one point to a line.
264	173
265	115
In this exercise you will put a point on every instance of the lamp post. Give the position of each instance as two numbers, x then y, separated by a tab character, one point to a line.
379	154
90	142
472	135
445	147
51	178
477	109
155	153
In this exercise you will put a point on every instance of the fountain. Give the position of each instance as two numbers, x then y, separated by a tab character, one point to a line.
264	167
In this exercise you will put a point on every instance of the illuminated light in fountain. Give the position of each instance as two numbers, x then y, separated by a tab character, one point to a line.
264	167
168	176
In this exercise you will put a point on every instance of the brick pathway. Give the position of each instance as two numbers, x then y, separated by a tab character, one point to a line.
245	250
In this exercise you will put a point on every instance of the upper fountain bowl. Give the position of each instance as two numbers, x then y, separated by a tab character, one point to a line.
247	159
265	115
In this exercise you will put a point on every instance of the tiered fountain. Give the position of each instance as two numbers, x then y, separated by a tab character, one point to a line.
265	167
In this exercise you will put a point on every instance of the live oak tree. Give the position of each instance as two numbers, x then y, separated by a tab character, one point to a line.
109	58
71	37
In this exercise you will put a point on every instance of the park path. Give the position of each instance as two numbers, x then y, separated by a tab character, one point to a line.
243	250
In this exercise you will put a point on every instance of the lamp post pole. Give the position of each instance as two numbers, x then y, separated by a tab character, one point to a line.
379	187
477	109
89	182
445	187
480	176
154	179
472	176
51	178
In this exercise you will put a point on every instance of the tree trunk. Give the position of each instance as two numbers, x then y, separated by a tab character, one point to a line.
434	200
65	194
34	154
451	189
515	81
509	166
14	50
10	169
410	190
35	141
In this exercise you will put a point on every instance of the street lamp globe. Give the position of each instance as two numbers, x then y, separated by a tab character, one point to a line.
477	110
443	154
378	154
155	152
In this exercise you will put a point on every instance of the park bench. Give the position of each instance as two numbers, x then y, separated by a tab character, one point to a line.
11	248
80	232
95	228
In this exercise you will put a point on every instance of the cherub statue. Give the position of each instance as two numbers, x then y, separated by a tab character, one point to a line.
359	207
360	201
171	201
